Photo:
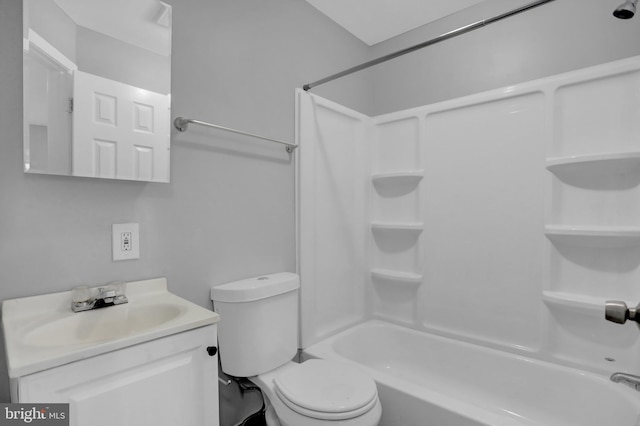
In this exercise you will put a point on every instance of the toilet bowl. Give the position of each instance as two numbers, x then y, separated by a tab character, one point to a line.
258	338
318	393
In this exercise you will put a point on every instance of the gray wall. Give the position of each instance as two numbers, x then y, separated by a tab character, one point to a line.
229	211
560	36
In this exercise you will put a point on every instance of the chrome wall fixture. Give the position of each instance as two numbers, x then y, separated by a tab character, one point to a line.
618	312
627	379
626	10
182	124
446	36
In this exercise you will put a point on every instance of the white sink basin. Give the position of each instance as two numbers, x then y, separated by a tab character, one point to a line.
100	325
42	332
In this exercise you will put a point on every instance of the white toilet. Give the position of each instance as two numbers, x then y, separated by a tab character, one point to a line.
258	338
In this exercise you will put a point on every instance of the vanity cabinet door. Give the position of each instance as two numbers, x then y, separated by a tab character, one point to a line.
169	381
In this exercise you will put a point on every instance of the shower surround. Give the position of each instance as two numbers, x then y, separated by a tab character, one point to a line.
504	219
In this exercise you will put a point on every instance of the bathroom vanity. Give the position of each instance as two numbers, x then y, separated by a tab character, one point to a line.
152	361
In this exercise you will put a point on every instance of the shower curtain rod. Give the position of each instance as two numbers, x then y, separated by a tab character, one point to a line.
182	124
442	37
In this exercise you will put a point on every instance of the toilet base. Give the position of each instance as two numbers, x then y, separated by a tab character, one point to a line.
271	418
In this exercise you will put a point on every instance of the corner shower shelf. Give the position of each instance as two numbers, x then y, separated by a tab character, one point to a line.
574	302
414	227
409	177
596	164
594	236
399	277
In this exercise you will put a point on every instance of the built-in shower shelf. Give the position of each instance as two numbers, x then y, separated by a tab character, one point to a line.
594	236
573	301
399	277
413	227
408	177
596	164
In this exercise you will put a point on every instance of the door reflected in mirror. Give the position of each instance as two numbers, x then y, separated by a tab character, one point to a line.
97	76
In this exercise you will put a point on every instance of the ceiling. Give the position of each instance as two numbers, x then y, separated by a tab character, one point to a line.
373	21
143	23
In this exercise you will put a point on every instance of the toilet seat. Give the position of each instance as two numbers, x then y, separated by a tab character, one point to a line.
326	390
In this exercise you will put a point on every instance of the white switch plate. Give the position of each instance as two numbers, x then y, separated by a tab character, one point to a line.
125	241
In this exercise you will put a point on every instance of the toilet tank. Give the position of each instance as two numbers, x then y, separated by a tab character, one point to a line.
258	328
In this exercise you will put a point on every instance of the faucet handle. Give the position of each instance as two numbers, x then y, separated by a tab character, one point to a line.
616	311
81	294
106	292
112	290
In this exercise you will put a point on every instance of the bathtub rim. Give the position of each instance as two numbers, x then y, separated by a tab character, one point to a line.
498	417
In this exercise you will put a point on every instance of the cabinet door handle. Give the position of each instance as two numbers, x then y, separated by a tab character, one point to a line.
212	350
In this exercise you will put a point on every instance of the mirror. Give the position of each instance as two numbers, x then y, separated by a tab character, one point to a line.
97	77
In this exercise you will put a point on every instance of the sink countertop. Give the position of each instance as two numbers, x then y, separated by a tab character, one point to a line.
42	332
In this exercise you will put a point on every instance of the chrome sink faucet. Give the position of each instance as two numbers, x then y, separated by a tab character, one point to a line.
89	298
627	379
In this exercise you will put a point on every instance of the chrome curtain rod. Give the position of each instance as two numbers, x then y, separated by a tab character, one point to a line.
438	39
182	124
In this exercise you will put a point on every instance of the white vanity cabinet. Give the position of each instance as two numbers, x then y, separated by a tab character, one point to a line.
167	381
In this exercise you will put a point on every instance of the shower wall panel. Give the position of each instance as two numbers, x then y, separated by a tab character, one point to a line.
506	218
483	212
396	219
332	200
593	220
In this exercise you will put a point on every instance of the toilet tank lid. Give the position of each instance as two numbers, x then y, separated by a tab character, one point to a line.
256	288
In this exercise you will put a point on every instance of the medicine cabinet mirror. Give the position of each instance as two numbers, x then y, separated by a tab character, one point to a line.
97	77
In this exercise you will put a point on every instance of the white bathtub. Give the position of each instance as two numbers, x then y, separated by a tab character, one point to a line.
427	380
